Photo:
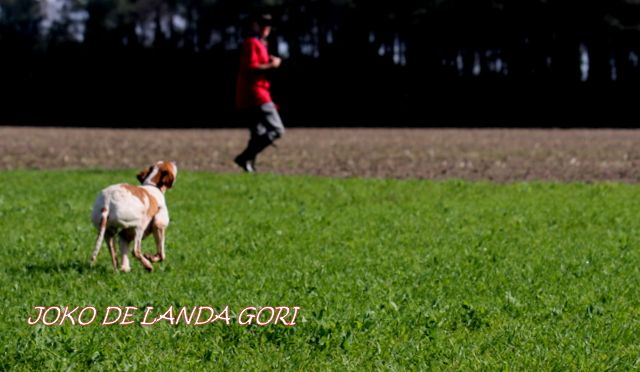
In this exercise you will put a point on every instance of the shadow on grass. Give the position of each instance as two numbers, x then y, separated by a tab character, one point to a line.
80	267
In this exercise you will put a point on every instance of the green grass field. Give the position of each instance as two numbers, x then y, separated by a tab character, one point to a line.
389	274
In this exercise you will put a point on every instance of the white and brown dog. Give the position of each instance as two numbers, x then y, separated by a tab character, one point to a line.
132	213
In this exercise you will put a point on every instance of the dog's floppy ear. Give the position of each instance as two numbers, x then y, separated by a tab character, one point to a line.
143	174
167	179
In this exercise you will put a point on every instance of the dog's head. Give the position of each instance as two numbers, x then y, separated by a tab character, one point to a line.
162	175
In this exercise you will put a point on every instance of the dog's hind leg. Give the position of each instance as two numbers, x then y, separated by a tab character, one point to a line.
103	227
124	251
112	249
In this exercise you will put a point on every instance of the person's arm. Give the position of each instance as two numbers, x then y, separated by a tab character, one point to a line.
252	59
274	62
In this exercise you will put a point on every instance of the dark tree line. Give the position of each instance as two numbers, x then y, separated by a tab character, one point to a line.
146	62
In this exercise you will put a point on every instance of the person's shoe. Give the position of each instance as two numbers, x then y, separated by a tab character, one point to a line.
250	166
246	165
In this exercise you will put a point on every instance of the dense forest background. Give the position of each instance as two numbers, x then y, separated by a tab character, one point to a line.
346	62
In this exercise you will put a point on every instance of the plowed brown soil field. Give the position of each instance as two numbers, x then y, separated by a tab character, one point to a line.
502	155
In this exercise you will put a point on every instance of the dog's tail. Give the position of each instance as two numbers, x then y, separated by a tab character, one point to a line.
104	213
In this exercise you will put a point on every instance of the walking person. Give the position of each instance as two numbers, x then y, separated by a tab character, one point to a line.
253	95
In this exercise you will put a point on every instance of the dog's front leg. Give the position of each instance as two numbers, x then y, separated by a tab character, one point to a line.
159	233
137	250
158	236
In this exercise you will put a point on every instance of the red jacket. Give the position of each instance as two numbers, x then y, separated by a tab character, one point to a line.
252	87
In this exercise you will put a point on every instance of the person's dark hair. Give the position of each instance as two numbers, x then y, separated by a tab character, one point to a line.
263	19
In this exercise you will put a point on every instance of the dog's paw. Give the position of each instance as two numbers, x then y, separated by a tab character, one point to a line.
153	258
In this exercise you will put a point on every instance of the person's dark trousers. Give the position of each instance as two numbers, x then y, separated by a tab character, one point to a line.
265	126
254	147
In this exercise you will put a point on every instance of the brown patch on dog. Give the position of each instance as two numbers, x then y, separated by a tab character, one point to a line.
153	204
141	193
